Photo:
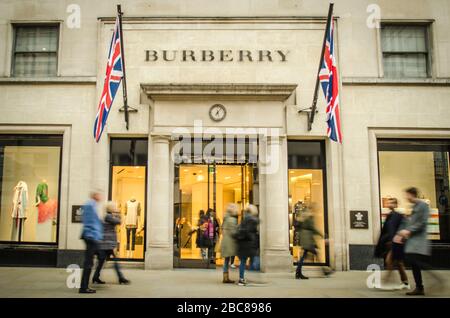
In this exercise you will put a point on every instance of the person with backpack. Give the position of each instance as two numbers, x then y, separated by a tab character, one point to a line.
247	240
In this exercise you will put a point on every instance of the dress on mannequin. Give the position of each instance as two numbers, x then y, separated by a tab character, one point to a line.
132	214
46	213
19	212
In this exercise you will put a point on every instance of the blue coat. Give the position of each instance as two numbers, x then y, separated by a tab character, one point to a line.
92	226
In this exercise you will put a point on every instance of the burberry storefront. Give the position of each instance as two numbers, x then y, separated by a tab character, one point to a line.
219	110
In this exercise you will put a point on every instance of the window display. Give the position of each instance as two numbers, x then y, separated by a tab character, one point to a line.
128	190
423	164
306	164
29	175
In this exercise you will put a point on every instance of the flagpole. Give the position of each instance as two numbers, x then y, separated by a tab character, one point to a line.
124	79
316	89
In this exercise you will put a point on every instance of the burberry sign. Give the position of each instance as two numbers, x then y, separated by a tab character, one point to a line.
216	55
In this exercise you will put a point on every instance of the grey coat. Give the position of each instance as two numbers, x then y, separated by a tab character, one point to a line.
417	224
229	228
109	241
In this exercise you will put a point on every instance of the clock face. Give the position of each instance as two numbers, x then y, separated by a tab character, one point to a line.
217	112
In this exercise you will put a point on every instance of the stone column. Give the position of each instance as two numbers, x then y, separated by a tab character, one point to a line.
159	254
275	250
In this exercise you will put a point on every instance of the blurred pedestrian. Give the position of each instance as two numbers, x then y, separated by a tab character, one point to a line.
307	231
92	234
392	252
202	241
255	260
414	236
246	237
109	243
229	246
213	229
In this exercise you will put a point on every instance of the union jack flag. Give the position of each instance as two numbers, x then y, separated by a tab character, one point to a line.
114	74
329	81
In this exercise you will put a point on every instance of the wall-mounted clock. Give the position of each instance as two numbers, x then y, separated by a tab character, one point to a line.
217	112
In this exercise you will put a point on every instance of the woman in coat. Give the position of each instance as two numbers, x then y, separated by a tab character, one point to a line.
229	246
109	243
307	232
392	252
247	239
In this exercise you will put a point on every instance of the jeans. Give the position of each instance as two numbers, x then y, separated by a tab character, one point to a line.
91	249
254	263
418	263
301	261
131	232
232	259
102	257
242	264
226	264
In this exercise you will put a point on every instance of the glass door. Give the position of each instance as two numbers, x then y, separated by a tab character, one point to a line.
202	191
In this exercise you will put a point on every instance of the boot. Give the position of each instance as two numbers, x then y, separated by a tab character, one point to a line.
226	279
299	275
418	291
124	281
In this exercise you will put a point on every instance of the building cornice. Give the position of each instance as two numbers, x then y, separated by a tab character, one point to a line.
48	80
225	90
218	19
370	81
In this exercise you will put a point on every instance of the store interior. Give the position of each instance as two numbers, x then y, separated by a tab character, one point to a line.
232	184
128	192
306	195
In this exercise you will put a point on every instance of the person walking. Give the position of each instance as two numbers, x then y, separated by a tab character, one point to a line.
213	229
229	247
203	241
307	232
392	252
92	234
109	243
414	236
246	236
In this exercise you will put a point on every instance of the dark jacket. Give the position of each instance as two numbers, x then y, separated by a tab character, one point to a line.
391	226
306	233
109	241
247	236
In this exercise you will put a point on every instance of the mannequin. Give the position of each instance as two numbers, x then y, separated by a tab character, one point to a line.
132	214
46	213
19	212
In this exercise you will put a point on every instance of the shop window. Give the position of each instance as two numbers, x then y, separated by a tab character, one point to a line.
405	50
35	50
128	191
307	195
423	164
29	184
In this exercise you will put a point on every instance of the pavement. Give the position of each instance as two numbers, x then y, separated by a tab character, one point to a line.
202	283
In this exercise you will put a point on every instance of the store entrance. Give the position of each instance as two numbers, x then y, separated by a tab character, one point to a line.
206	187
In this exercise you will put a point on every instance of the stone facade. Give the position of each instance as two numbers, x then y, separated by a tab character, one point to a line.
271	48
